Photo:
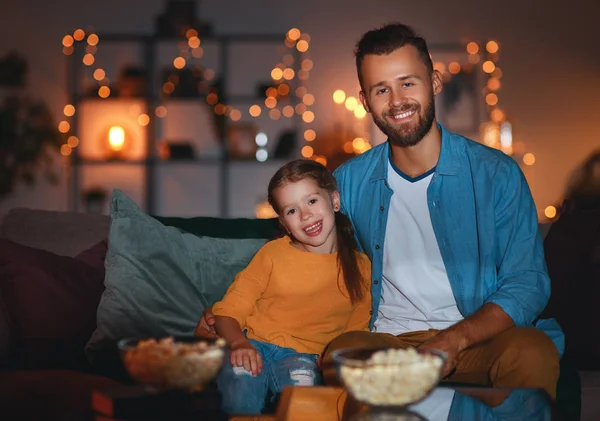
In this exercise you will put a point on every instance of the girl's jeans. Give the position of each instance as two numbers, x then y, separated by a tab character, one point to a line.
243	394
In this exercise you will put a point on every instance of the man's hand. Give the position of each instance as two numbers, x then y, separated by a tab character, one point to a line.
487	322
206	326
448	342
243	354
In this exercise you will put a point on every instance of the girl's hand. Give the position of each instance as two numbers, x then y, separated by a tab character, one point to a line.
244	355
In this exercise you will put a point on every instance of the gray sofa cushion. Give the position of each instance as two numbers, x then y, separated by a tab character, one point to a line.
158	278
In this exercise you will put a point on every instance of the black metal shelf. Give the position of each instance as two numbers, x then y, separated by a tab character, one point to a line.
231	98
196	161
216	38
152	99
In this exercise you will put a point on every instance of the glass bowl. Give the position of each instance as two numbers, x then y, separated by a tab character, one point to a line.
172	363
389	378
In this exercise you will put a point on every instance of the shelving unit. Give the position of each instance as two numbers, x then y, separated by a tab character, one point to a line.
152	99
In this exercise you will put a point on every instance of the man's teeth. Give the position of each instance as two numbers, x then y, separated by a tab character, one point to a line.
312	227
403	115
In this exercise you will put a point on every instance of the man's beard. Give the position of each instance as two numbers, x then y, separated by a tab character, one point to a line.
406	135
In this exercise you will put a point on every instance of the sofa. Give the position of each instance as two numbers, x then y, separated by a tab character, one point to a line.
54	278
53	268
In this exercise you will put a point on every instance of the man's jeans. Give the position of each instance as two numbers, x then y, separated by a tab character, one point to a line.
243	394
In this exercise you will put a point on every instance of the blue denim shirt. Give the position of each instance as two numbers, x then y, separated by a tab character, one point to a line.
484	220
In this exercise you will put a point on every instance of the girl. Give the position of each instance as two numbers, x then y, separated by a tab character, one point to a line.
297	294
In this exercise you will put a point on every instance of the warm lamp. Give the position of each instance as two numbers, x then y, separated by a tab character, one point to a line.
263	210
116	138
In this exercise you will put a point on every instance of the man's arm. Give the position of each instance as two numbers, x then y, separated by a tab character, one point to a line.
523	282
522	277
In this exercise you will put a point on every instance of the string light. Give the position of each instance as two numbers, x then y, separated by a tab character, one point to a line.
88	59
79	34
161	111
302	46
454	68
472	47
194	42
498	131
64	127
255	110
351	103
307	151
310	135
276	73
235	115
288	111
179	63
93	39
67	41
283	89
288	74
308	99
550	212
282	71
99	74
529	159
293	34
143	119
339	96
300	108
308	116
488	66
73	141
69	110
492	47
65	150
275	114
104	92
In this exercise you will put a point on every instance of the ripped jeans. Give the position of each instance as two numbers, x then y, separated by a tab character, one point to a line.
243	394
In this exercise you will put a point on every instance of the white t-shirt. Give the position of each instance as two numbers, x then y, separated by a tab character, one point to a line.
416	293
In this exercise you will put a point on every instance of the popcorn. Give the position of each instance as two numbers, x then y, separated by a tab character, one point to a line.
392	377
166	364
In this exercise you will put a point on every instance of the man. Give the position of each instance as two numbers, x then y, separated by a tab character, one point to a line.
451	229
462	266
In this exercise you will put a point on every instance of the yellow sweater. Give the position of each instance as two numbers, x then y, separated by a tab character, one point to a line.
294	299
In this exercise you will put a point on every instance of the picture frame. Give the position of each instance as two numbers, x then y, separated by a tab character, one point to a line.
460	107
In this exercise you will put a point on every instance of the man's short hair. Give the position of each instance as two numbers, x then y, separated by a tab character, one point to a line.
388	39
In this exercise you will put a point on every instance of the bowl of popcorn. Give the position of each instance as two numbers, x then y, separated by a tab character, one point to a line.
172	363
388	377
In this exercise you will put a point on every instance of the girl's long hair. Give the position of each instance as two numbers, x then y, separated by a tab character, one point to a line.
302	169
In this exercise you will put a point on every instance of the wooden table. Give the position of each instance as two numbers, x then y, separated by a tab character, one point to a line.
303	403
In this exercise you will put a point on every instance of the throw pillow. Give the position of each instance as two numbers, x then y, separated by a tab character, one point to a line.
158	278
49	307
